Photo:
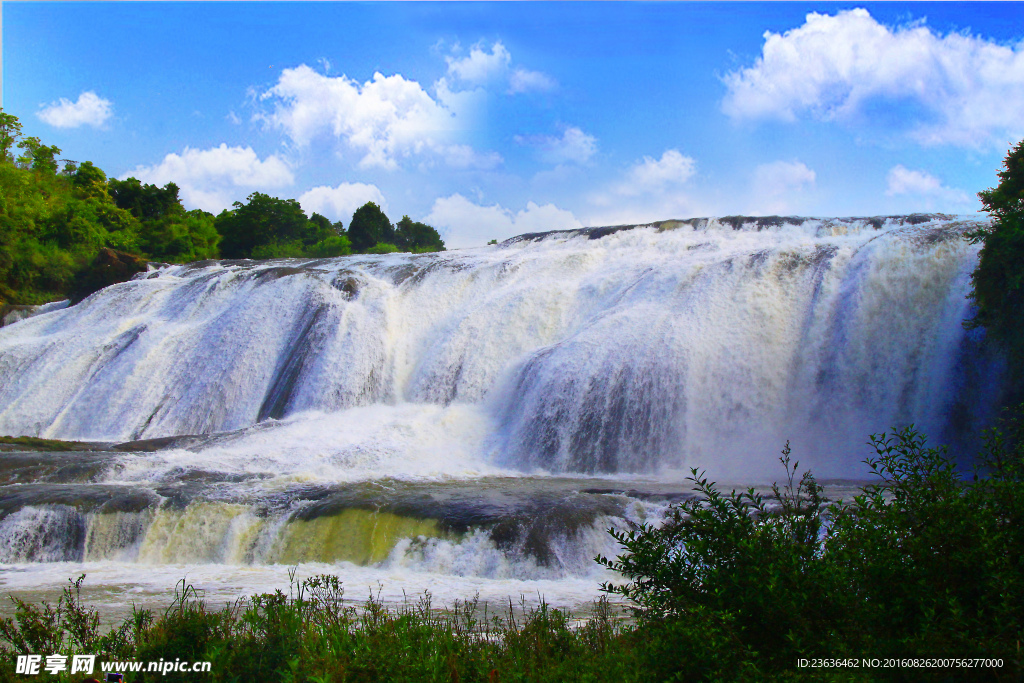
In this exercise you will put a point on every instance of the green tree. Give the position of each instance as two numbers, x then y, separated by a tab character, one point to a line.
276	226
167	232
417	237
90	180
39	157
180	237
998	280
325	239
10	133
321	228
146	202
369	226
64	234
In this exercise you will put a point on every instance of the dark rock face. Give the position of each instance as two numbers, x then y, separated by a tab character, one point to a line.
108	268
12	313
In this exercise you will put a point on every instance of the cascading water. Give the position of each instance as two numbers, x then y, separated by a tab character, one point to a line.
483	413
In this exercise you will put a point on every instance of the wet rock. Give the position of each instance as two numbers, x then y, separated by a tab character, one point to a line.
108	268
349	286
165	442
12	313
32	443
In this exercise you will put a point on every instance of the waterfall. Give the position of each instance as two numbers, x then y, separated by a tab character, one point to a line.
622	351
486	412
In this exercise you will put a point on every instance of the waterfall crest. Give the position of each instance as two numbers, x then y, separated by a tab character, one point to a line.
638	349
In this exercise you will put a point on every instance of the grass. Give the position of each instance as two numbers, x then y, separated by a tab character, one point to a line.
312	634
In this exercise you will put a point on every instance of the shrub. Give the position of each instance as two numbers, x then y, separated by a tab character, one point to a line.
728	572
921	564
923	554
330	247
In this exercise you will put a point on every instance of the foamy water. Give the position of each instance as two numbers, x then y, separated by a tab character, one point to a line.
472	420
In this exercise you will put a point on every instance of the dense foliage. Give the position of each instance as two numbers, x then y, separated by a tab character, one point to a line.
50	223
267	227
370	227
55	223
998	281
920	565
57	217
416	237
167	232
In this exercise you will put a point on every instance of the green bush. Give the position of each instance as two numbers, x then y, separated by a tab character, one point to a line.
921	564
924	554
731	572
277	249
330	247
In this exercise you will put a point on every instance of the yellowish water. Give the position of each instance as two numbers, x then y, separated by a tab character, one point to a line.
362	537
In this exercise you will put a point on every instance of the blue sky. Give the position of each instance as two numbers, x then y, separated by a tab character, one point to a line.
493	119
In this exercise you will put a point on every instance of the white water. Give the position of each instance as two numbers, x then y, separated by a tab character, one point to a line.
636	355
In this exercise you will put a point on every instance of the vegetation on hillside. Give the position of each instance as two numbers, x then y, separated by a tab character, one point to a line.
998	281
51	223
67	230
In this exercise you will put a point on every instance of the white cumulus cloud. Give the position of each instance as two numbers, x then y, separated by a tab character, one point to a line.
925	190
480	67
339	203
465	224
962	90
655	175
779	186
211	179
89	110
385	119
573	146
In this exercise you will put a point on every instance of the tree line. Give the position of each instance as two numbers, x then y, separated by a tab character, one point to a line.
59	219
